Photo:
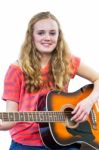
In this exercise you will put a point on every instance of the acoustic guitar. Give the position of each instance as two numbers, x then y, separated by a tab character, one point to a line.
54	117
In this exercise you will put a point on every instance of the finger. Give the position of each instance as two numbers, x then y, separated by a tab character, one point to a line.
75	110
78	113
0	122
84	118
80	117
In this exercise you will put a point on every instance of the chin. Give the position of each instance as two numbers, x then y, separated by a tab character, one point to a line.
46	50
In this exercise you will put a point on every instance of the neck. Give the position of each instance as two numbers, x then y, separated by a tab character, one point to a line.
45	58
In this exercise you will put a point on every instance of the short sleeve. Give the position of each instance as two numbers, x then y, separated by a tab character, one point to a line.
75	62
12	84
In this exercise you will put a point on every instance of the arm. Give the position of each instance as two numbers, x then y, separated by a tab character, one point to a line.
10	107
83	108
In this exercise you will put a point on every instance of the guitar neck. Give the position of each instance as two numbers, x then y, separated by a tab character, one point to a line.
36	116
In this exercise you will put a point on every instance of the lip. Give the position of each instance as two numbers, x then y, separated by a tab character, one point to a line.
46	44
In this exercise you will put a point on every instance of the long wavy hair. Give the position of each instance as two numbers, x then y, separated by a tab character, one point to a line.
30	58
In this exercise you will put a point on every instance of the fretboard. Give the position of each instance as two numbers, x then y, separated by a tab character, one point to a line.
36	116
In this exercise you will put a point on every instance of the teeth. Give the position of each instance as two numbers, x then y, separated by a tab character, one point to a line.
46	44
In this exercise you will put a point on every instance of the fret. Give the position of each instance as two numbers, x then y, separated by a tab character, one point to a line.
38	116
21	116
59	116
5	116
30	116
0	115
16	116
34	117
55	116
47	117
50	118
42	116
26	116
64	117
11	116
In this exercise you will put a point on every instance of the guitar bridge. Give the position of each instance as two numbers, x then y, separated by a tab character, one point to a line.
93	119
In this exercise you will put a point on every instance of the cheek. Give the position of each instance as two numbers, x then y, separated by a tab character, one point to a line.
56	40
36	39
37	42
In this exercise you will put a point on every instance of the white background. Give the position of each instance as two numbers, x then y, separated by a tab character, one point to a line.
79	20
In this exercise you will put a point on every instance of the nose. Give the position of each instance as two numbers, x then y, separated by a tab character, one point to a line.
47	36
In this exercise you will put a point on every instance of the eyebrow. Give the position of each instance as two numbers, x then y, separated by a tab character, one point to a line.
44	30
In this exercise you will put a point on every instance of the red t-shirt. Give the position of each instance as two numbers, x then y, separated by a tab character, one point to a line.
27	133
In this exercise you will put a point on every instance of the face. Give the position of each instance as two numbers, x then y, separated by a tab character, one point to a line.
45	35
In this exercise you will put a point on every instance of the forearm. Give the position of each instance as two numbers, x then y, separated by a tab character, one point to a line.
94	96
10	107
4	126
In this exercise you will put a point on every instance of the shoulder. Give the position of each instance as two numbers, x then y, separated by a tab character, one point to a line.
16	66
74	59
14	72
74	64
14	69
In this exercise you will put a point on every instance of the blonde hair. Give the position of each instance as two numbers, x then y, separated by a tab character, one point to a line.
30	58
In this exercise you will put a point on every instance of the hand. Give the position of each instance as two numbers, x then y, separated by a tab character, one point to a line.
0	122
82	110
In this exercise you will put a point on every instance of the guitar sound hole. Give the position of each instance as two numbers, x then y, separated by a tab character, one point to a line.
69	123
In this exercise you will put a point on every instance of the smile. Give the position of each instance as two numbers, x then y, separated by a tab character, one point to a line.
46	44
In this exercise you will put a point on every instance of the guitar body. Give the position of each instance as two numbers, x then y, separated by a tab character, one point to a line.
44	128
61	134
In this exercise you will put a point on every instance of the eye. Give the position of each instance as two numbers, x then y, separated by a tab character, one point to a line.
52	33
40	32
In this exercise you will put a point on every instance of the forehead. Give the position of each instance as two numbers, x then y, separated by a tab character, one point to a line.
46	24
